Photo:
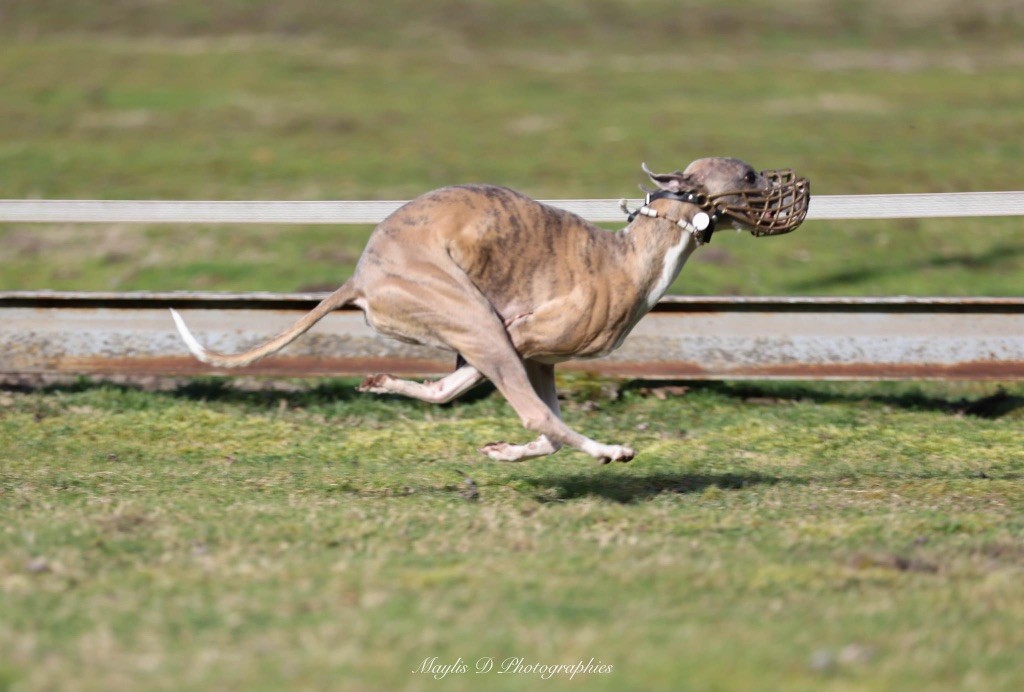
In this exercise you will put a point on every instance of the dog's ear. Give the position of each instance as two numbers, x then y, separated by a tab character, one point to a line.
672	182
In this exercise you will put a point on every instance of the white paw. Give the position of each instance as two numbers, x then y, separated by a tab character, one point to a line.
609	453
503	451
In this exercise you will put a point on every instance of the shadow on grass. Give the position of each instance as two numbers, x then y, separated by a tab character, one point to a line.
636	488
252	393
327	392
269	394
224	390
993	406
249	392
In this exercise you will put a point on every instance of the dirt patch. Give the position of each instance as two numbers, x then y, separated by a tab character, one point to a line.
893	561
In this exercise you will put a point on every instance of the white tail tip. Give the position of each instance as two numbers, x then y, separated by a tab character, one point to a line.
193	346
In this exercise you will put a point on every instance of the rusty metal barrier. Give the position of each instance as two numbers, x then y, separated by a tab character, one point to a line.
683	337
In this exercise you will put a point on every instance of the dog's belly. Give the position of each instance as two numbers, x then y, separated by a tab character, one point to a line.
394	326
564	330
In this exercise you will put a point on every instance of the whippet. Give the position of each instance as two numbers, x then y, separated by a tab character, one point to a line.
513	286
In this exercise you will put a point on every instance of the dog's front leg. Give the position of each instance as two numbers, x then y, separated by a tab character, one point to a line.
542	377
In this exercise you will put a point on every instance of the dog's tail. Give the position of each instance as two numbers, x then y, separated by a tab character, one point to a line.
343	295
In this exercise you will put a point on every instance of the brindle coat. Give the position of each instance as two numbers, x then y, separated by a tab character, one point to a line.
513	286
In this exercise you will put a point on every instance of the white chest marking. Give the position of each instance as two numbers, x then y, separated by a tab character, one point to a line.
673	262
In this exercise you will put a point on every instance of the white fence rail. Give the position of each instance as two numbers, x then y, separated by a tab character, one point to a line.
931	205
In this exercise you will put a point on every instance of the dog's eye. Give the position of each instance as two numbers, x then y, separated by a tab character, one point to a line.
750	177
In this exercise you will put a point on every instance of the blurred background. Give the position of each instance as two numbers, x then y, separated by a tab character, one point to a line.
251	99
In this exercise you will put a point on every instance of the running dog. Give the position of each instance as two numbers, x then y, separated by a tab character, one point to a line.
514	286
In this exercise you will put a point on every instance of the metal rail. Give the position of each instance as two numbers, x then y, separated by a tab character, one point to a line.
683	337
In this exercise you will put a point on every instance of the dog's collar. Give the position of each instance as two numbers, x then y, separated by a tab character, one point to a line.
701	227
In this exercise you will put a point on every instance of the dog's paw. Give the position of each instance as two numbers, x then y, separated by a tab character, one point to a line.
618	453
502	451
375	384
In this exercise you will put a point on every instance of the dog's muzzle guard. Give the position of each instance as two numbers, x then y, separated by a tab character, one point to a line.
779	209
774	211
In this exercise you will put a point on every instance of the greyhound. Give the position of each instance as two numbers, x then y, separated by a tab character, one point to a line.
514	286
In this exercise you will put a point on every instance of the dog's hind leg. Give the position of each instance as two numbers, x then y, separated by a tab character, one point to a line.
437	392
542	377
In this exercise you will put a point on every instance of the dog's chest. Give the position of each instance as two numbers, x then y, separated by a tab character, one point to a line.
671	264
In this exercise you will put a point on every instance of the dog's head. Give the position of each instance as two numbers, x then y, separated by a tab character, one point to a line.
768	202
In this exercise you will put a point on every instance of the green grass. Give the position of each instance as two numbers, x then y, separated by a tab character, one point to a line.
782	536
777	536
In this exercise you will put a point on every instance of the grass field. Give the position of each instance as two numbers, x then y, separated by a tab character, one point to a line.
773	537
768	536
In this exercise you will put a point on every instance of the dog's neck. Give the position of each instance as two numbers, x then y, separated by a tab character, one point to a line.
659	248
